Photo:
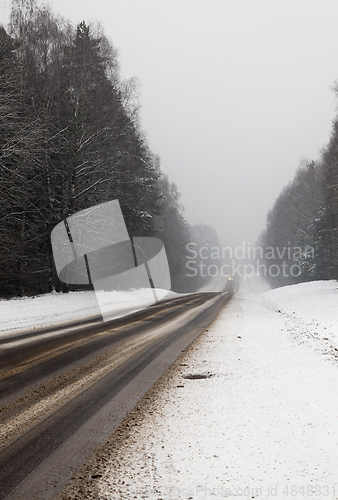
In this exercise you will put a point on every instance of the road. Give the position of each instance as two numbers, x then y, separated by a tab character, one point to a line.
62	397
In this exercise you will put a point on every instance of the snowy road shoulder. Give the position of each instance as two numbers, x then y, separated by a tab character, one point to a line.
58	309
247	410
54	309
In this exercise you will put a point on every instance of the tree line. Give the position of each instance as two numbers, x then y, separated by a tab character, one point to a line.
304	222
70	138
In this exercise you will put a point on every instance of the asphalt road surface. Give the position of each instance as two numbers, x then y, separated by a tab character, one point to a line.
63	392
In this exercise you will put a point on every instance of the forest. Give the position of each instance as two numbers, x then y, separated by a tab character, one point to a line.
71	138
303	223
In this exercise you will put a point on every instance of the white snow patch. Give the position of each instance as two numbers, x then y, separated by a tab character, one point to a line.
315	301
310	311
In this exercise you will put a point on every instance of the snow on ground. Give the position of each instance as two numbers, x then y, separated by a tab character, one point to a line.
310	312
53	309
249	410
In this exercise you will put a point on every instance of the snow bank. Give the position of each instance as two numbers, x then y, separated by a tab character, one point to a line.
311	307
55	309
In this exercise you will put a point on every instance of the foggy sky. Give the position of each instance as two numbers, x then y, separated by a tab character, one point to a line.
234	94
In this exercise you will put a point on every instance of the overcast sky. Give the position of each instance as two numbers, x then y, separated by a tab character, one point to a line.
234	94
